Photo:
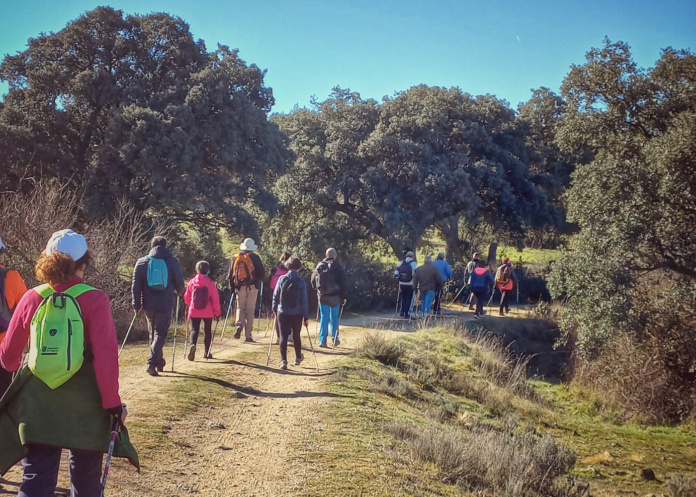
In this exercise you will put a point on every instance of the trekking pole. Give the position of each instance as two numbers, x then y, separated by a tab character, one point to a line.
176	330
270	345
316	329
268	325
312	347
258	324
338	326
410	310
491	299
229	308
107	465
212	339
458	294
398	295
135	315
186	333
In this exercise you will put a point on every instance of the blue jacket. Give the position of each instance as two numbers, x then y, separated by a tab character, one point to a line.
444	268
481	280
302	306
148	299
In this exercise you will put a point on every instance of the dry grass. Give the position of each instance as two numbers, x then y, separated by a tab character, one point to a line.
680	486
378	348
600	458
636	458
488	460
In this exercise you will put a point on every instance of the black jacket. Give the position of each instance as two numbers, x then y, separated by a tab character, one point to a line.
339	274
259	271
148	299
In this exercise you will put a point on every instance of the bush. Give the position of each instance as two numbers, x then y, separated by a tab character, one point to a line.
378	348
680	486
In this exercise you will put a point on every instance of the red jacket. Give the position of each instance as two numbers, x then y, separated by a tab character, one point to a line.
100	333
212	309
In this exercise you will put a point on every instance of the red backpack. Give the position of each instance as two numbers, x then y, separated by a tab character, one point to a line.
200	297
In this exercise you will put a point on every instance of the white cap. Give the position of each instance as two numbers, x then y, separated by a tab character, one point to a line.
2	245
249	245
67	242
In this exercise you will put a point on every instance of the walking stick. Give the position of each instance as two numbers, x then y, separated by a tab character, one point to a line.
340	315
268	325
176	330
458	294
258	324
316	329
398	295
107	465
212	339
491	299
135	315
270	345
229	308
410	310
186	333
312	347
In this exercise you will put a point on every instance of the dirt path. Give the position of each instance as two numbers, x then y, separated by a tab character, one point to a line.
247	445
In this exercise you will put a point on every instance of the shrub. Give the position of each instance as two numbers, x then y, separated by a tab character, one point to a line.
680	486
381	349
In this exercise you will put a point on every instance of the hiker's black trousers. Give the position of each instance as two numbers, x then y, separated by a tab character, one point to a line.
41	467
505	301
157	326
480	300
438	299
406	299
290	325
207	331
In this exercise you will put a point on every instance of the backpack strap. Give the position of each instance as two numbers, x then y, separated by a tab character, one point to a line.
45	290
77	290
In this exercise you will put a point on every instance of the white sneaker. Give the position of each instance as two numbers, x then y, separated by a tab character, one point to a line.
299	360
283	364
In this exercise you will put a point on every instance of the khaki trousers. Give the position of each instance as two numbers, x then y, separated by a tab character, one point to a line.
246	306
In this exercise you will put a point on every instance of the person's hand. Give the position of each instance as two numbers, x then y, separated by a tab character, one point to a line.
306	322
344	302
137	311
217	318
124	413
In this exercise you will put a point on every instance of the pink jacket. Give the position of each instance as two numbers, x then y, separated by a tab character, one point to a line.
213	308
99	333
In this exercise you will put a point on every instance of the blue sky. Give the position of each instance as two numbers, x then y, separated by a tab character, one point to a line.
502	47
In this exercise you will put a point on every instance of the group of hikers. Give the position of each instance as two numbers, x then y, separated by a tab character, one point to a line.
59	352
429	281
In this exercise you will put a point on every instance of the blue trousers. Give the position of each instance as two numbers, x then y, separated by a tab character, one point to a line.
427	301
41	467
328	315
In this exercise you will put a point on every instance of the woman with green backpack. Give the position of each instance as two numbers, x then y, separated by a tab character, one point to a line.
65	393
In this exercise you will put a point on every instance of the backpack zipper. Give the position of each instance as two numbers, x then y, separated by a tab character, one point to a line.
69	341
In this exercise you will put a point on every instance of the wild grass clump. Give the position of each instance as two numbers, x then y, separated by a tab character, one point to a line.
379	348
515	465
681	486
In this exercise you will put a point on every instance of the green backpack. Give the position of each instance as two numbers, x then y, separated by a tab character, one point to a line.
57	342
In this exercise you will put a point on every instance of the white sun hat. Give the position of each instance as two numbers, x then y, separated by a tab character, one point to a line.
67	242
248	245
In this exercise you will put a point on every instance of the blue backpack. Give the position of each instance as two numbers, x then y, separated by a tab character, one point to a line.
157	273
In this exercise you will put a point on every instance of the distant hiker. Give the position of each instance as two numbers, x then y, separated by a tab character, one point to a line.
505	281
429	281
65	394
481	283
12	288
329	281
157	280
203	300
246	274
290	305
404	272
446	272
473	264
275	274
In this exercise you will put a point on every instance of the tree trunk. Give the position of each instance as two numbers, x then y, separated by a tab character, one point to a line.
492	253
450	232
400	247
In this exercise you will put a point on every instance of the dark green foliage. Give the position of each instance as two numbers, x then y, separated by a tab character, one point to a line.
397	168
132	107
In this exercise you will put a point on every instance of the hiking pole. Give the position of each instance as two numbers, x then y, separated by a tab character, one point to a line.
186	333
410	309
135	315
316	329
268	325
491	299
398	294
212	339
176	330
258	324
312	347
338	325
229	308
458	294
270	345
107	465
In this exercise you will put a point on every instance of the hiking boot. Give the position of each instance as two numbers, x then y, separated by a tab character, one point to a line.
471	307
284	365
152	372
238	333
336	342
299	360
323	346
476	316
502	313
249	340
160	368
407	316
209	355
192	353
401	314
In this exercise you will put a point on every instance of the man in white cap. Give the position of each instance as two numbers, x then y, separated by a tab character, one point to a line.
246	274
12	288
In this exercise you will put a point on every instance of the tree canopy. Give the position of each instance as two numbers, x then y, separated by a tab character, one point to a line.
399	167
133	107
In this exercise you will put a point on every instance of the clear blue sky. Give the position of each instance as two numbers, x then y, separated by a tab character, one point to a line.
502	47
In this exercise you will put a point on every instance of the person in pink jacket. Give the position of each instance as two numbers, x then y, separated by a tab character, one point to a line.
203	300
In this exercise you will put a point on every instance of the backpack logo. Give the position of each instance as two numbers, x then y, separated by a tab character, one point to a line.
52	333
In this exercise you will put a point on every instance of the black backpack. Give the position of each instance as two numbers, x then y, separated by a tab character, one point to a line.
326	283
289	292
405	272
